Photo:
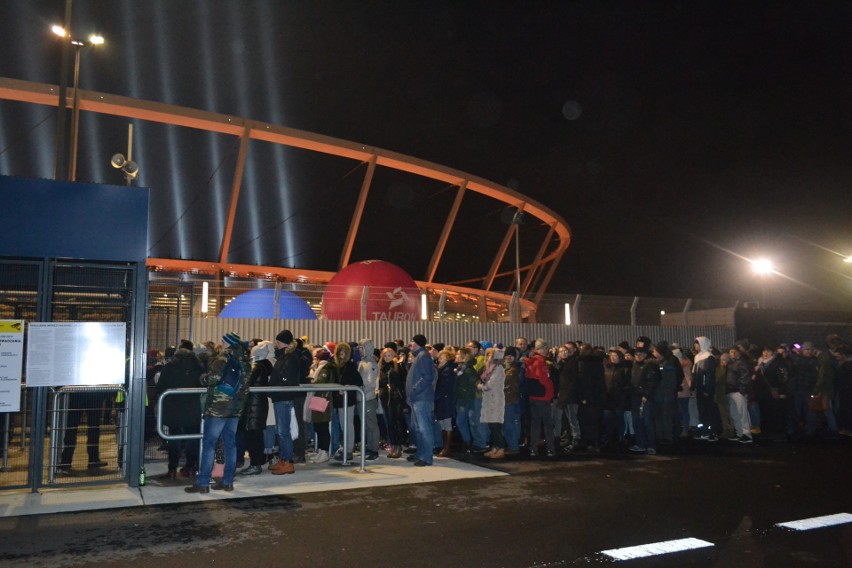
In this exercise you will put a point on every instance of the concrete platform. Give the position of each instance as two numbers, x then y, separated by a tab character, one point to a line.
308	478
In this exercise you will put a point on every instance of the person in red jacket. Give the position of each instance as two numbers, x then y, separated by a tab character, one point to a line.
540	393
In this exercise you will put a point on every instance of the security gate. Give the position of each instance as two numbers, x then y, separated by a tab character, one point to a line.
75	435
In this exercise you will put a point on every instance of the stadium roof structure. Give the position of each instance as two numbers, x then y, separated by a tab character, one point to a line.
537	271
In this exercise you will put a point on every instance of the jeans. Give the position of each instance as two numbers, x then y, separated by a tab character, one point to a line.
572	410
643	424
421	419
739	414
350	426
467	421
283	414
213	429
481	432
512	425
372	426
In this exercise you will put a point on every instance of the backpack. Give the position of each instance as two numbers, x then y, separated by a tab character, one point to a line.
232	377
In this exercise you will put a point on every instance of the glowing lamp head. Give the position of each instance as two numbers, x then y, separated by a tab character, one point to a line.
58	30
763	266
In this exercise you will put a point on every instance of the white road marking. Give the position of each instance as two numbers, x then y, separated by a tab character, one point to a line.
656	548
817	522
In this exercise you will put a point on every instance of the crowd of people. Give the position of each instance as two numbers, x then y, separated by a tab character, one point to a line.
427	400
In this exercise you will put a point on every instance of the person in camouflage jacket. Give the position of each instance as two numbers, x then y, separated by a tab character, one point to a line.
222	415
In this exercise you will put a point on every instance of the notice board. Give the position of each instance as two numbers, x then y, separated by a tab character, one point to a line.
76	353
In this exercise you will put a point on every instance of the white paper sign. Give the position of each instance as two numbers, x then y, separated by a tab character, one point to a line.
76	353
11	364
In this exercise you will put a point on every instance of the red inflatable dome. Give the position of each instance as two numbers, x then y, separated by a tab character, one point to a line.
392	294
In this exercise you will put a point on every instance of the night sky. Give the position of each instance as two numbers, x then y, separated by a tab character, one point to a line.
677	139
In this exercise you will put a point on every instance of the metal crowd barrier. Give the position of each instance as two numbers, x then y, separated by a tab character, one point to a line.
324	387
59	422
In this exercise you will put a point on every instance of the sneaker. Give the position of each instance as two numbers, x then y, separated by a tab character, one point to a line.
421	463
744	439
339	457
533	453
702	437
320	457
651	452
635	448
252	470
712	438
197	489
734	438
222	486
551	454
371	456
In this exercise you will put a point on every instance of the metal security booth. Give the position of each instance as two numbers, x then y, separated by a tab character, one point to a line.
74	253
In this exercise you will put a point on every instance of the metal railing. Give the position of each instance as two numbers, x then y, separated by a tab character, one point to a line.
59	423
325	387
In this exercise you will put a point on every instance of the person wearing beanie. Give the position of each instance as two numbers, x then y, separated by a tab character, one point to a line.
324	372
285	373
420	395
222	413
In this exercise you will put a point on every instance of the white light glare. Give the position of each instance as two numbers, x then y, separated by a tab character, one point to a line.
96	39
424	307
848	259
567	313
205	291
763	266
58	30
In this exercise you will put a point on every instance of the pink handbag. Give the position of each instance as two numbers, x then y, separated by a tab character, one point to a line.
318	404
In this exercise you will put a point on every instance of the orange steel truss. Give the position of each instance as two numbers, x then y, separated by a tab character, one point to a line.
559	233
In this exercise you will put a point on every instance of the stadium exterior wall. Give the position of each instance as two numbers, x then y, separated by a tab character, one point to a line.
212	329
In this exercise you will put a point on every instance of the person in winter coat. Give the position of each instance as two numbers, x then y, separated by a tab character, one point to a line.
181	413
591	395
567	368
347	375
392	389
704	387
368	368
512	395
445	399
644	382
420	395
222	413
540	393
467	410
494	400
324	372
617	382
665	398
737	382
253	421
285	373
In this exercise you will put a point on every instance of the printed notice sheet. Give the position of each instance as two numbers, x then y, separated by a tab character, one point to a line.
11	364
76	353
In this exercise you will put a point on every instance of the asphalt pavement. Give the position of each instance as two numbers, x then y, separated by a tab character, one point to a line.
694	504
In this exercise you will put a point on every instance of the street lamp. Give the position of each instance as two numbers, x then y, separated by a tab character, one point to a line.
763	267
94	39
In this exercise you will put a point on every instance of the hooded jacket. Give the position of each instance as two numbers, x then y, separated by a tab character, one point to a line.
704	369
347	374
182	372
421	379
368	368
218	404
285	373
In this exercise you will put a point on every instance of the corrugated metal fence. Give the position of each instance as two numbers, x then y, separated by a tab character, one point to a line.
319	331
